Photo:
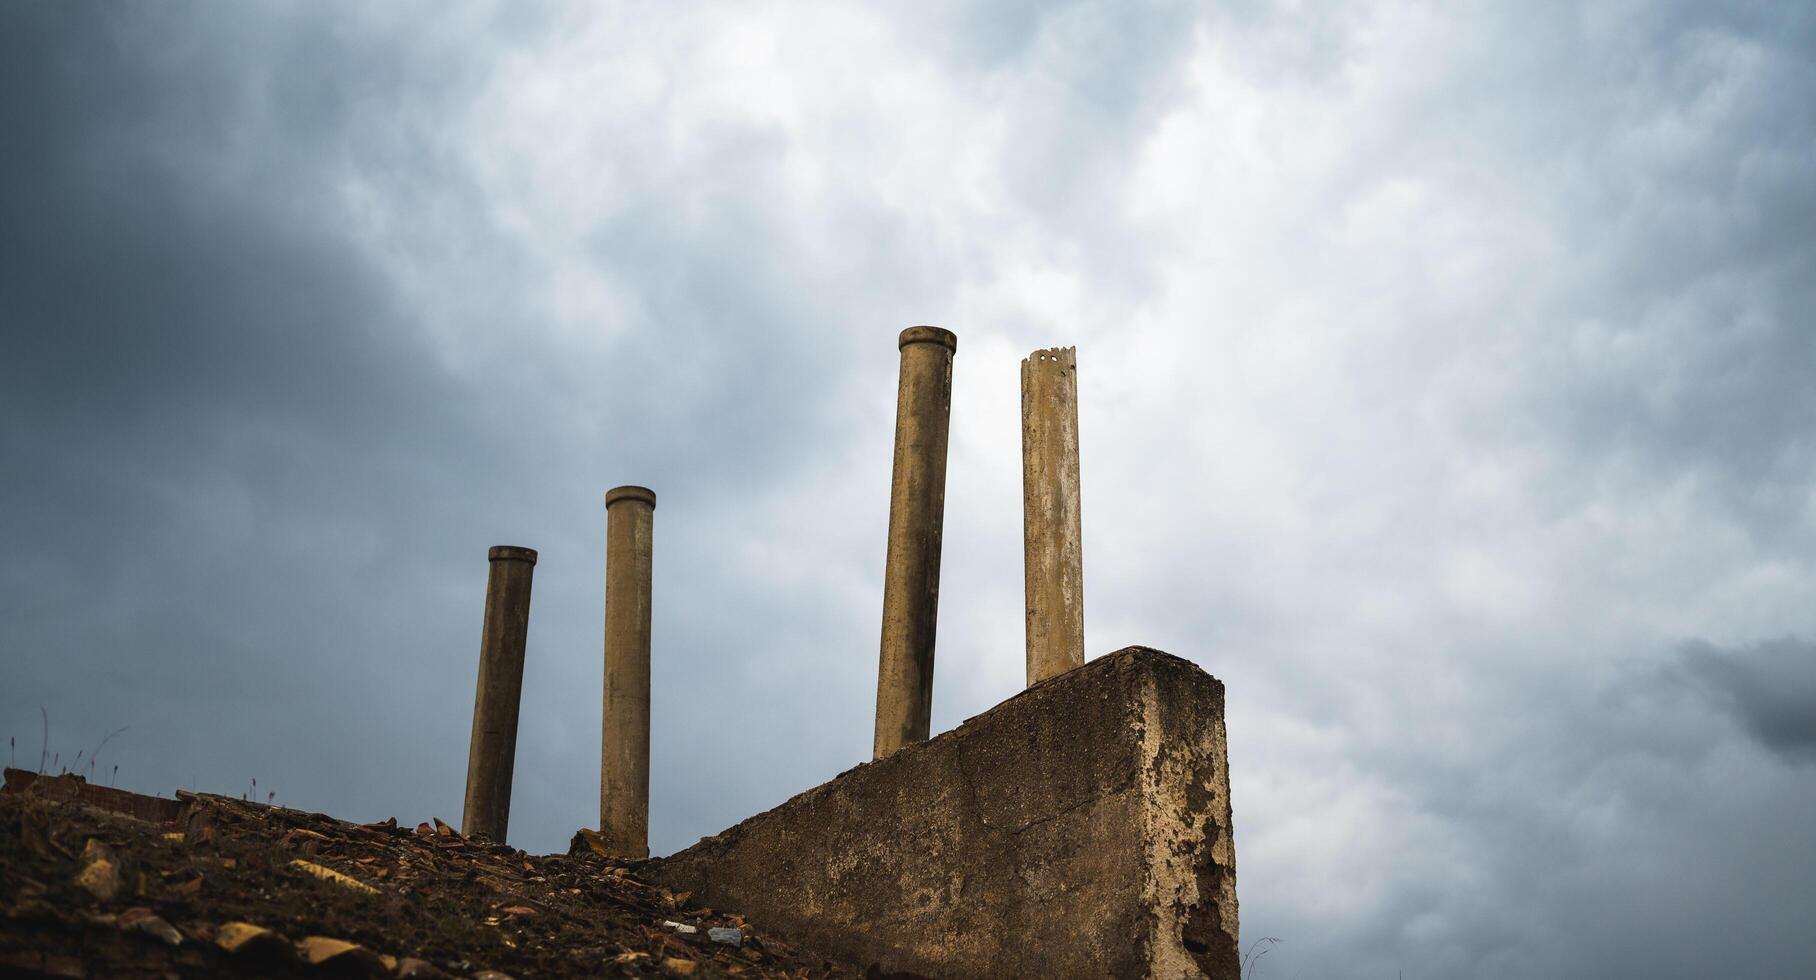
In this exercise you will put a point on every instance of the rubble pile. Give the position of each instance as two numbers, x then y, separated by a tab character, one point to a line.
211	886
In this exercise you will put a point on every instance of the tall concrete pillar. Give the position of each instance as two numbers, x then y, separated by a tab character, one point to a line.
624	753
1053	552
493	753
917	508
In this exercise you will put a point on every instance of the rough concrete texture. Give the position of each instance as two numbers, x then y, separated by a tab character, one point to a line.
492	754
630	514
1052	541
917	507
1079	829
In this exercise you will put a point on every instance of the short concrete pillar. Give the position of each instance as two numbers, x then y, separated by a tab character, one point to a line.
1053	550
493	754
624	752
917	508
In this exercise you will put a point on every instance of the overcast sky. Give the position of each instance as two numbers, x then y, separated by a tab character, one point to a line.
1445	380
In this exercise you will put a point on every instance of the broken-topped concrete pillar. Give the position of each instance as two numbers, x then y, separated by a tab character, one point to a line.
1052	542
1079	829
917	508
493	752
630	513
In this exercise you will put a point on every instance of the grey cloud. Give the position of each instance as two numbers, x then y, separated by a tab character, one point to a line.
252	473
213	409
260	499
1770	689
1679	341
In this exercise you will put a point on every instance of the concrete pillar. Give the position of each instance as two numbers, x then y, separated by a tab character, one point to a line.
917	508
1052	544
493	754
624	753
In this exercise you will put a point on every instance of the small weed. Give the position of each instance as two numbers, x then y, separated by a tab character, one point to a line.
252	794
49	761
92	756
1251	960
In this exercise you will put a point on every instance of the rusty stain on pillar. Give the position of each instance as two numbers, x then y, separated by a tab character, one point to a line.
493	754
1052	544
917	506
624	744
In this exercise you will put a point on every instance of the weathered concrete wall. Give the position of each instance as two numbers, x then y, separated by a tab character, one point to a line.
1079	829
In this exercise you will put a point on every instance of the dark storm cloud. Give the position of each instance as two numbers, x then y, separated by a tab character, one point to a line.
259	491
1770	688
301	310
212	407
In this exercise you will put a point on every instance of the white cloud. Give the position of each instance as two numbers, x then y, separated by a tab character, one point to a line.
1442	372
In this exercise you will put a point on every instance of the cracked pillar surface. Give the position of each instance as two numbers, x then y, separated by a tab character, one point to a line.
1052	539
492	754
630	513
917	507
1079	829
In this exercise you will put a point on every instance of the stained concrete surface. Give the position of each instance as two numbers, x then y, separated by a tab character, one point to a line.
1052	539
492	755
630	514
1079	829
911	570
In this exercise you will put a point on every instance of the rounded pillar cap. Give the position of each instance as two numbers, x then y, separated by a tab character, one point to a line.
928	335
508	552
630	492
